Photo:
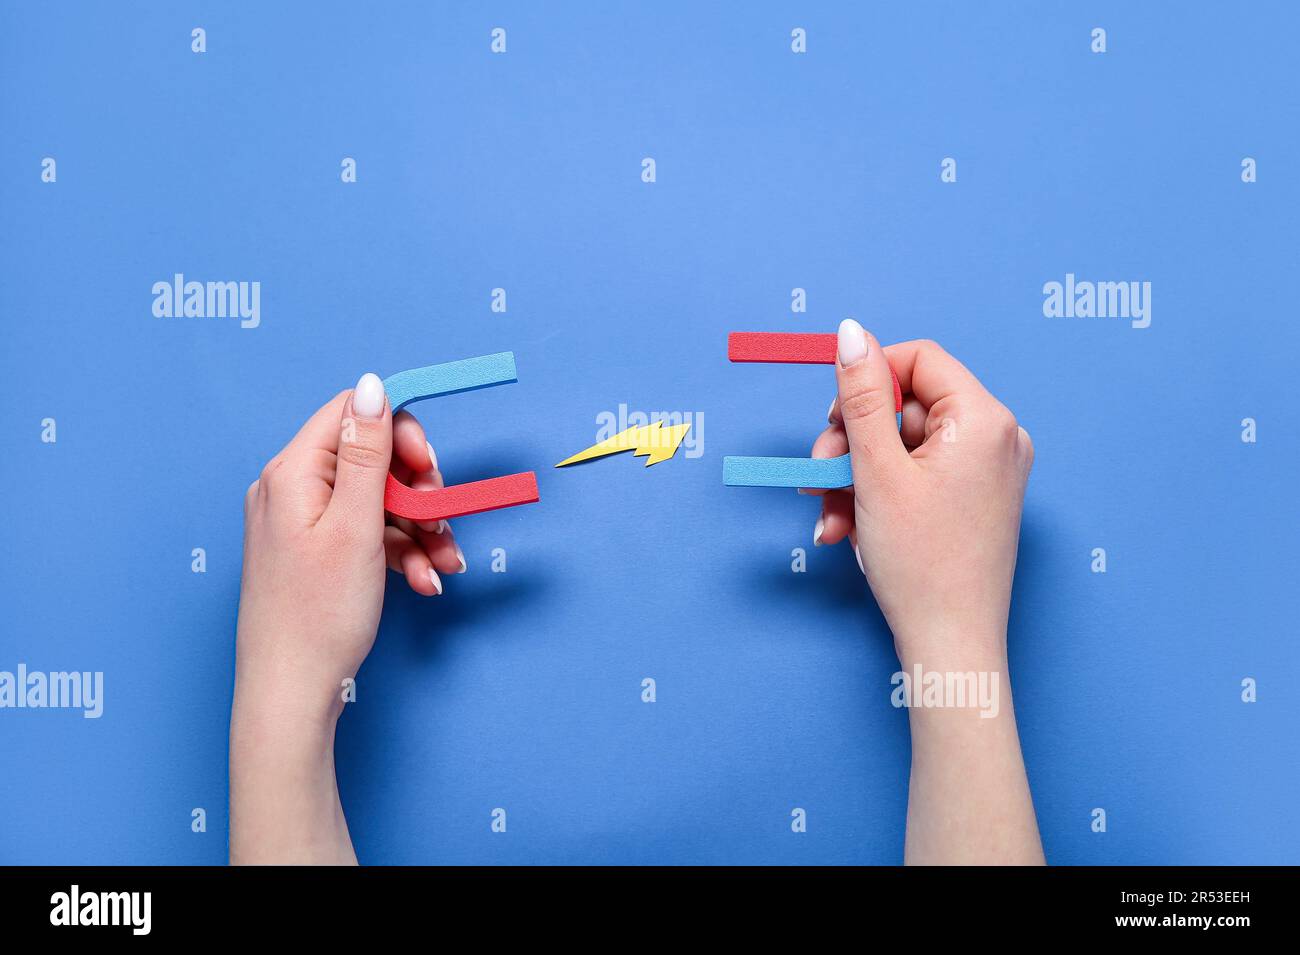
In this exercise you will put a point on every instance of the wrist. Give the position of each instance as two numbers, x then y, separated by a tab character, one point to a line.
954	676
279	738
284	800
951	642
286	716
298	687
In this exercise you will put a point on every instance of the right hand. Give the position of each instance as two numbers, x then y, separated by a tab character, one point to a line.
934	511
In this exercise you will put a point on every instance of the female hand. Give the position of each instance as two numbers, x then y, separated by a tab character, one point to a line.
316	542
934	511
934	517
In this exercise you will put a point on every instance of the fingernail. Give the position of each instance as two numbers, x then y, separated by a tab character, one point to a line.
817	531
433	458
460	556
852	343
368	398
858	554
440	527
435	580
433	527
830	412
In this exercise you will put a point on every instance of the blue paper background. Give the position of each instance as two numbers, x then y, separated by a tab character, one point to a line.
522	690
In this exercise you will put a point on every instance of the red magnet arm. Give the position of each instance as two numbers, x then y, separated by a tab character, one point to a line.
793	348
459	499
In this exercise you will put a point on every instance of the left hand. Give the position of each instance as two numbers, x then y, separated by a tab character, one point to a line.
317	539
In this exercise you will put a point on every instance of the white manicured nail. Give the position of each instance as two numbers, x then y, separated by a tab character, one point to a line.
435	580
460	556
858	554
368	398
852	343
817	531
830	412
432	457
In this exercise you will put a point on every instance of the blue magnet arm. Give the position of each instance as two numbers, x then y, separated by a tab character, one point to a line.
450	378
823	473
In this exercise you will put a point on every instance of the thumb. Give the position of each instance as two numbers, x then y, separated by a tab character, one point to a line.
868	405
365	451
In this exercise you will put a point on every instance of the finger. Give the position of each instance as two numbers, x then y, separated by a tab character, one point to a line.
410	527
429	480
322	428
413	457
853	542
831	443
836	518
410	447
408	558
1025	446
868	407
951	396
319	432
364	454
913	428
443	552
930	373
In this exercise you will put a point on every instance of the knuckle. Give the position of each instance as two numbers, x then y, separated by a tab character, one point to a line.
928	346
1000	424
865	404
956	405
1008	426
951	415
361	454
267	476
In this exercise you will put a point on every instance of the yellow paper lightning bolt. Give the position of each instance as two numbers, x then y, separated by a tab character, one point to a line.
653	439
